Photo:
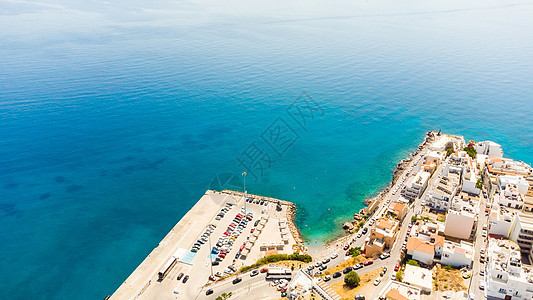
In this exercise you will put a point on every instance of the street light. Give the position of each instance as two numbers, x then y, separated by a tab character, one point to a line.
244	189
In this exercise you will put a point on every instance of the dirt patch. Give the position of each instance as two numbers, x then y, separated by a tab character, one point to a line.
349	262
366	286
447	280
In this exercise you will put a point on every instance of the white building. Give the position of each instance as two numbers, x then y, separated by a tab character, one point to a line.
519	181
505	277
489	148
510	197
447	185
457	254
416	187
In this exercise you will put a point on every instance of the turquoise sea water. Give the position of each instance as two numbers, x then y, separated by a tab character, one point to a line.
115	117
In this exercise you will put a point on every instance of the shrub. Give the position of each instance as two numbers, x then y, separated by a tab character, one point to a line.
399	275
306	258
412	263
352	279
355	251
448	267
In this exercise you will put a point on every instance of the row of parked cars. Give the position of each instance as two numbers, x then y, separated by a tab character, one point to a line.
349	269
256	201
235	228
223	211
203	239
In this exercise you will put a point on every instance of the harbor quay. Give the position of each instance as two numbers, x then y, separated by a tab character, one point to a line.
244	228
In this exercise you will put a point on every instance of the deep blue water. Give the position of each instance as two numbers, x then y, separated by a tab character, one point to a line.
116	117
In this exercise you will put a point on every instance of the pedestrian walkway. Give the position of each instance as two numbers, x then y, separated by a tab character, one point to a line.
330	293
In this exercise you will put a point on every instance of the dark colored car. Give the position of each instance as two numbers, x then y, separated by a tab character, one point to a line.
215	263
209	292
347	270
336	275
237	280
365	230
185	278
180	276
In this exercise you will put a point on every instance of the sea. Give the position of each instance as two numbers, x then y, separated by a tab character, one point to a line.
116	116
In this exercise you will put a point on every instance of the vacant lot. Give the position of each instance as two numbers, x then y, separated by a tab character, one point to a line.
366	286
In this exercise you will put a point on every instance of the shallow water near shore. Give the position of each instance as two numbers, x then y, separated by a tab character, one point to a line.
115	118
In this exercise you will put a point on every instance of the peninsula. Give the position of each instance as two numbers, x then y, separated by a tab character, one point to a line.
455	222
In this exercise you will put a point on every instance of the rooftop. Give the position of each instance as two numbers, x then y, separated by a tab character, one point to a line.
421	245
418	277
504	255
400	291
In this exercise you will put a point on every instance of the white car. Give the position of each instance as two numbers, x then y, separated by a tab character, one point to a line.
377	281
393	277
327	278
484	233
481	284
334	255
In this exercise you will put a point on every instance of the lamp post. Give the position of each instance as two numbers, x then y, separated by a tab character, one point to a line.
210	253
244	189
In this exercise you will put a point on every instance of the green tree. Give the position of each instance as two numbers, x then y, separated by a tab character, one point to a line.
412	263
449	152
352	279
470	151
399	275
479	184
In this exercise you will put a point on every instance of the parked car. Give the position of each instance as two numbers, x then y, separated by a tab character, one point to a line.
237	280
334	255
180	276
254	273
208	292
377	281
346	270
481	284
384	256
185	278
337	274
264	270
327	278
396	267
358	266
323	267
368	262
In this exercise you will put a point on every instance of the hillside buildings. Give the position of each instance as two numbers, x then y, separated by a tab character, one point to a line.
506	277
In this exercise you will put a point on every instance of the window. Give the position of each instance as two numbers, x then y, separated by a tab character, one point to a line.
503	291
499	276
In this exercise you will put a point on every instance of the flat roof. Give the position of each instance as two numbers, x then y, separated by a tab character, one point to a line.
418	277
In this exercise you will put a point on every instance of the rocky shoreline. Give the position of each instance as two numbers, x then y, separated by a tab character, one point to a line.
371	203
